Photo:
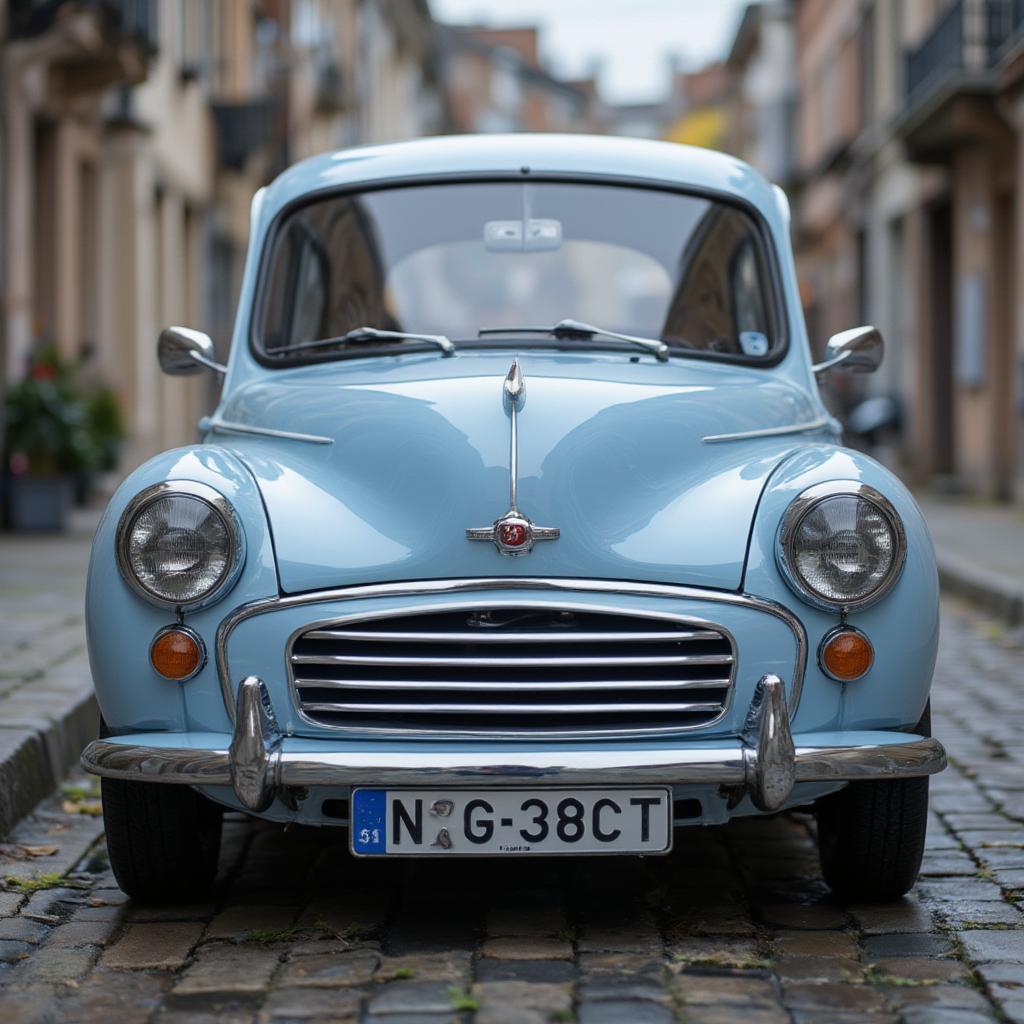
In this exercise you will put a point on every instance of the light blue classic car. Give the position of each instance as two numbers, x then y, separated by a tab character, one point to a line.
520	528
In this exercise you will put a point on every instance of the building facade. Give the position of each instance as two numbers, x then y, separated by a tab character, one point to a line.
908	182
134	134
496	81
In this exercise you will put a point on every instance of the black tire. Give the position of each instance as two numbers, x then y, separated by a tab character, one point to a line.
163	840
871	834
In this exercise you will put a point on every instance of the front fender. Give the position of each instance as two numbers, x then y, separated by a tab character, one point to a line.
903	626
120	625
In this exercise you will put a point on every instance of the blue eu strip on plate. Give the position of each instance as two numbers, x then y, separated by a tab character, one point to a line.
369	808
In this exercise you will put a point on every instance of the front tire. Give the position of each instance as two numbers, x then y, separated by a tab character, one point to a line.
163	840
871	834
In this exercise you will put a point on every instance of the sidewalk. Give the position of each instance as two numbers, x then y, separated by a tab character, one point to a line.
980	551
47	711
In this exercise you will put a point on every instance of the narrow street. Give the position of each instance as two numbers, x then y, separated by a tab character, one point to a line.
735	925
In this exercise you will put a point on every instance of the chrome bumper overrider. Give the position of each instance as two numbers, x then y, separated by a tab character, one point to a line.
766	764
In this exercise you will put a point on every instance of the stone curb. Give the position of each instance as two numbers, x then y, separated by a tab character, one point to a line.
38	747
994	593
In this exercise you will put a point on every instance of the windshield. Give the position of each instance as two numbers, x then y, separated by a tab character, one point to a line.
453	259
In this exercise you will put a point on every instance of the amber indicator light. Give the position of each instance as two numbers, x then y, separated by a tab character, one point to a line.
846	654
176	654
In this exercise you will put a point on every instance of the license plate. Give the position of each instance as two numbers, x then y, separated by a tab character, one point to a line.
509	822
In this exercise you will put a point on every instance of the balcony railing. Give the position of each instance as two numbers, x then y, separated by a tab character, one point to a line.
967	40
132	19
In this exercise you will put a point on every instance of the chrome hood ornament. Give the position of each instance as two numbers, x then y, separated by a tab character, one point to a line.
513	533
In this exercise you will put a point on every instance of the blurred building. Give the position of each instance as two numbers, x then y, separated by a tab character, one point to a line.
698	107
761	92
496	82
134	134
910	165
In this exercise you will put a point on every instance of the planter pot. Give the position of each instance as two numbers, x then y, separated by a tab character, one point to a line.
38	502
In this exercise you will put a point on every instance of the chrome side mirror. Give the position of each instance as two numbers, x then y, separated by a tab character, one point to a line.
858	350
182	351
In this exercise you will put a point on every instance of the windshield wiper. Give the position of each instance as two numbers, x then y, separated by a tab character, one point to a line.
358	334
575	329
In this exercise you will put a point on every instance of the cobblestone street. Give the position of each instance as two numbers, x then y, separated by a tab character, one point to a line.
735	925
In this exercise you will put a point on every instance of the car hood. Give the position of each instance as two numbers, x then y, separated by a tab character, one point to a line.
611	452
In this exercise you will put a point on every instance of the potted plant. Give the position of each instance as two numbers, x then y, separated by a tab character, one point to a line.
46	443
102	436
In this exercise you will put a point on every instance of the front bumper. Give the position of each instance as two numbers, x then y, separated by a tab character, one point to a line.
764	762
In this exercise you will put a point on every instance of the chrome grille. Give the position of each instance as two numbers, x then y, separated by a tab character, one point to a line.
538	672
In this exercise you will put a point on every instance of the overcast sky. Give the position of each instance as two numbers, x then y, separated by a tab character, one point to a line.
632	38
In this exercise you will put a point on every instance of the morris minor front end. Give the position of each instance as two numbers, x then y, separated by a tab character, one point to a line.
520	528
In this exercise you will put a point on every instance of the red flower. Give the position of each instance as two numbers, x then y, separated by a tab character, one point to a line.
43	371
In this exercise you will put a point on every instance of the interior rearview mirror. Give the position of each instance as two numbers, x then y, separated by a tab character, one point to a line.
183	351
858	350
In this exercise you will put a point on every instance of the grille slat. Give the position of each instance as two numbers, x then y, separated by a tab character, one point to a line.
454	661
483	637
435	708
486	685
519	672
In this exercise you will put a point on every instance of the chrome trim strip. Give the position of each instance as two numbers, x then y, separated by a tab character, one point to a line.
792	428
208	496
547	686
916	757
801	506
564	662
497	636
232	427
436	708
577	732
513	393
514	390
426	588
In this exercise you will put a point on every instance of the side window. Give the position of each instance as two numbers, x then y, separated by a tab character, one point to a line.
310	299
748	300
296	291
719	303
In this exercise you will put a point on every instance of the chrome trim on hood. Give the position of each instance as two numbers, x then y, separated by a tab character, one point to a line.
231	427
792	428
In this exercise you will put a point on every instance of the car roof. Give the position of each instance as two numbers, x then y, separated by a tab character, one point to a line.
599	156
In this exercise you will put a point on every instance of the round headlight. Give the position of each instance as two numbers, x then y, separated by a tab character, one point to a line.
179	544
841	545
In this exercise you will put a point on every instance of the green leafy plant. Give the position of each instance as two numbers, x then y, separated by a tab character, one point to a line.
105	427
45	422
56	423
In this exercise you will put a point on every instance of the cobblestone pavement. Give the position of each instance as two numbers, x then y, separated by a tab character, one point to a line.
735	925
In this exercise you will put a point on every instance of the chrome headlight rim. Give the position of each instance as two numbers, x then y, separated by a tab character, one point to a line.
804	503
220	505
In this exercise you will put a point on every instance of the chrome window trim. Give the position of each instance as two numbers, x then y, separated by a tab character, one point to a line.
426	588
209	496
176	627
801	505
510	734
